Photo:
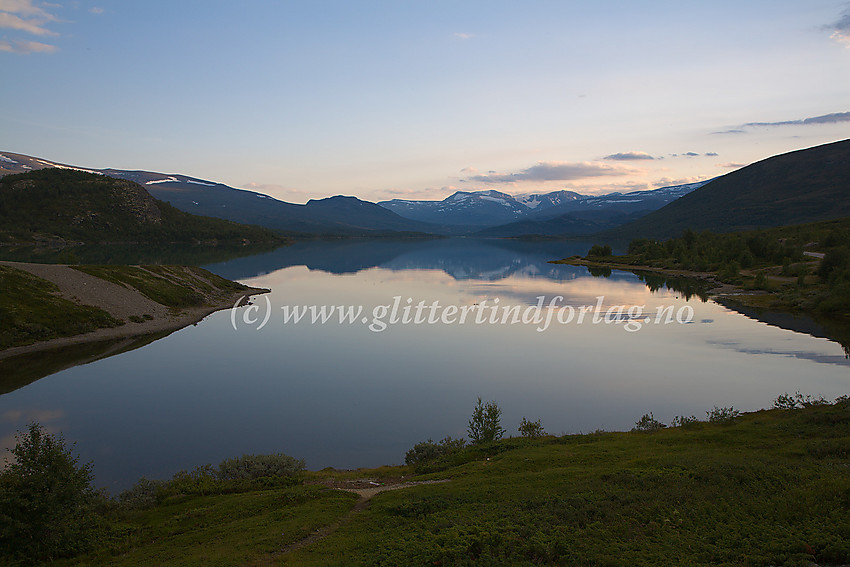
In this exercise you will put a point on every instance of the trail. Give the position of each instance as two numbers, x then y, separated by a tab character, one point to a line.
364	488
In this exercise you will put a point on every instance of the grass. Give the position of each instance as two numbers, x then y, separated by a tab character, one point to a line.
229	529
148	284
768	488
30	311
172	286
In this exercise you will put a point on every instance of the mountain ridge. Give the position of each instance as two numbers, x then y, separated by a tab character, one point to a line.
802	186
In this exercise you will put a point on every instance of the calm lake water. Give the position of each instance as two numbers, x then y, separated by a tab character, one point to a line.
344	395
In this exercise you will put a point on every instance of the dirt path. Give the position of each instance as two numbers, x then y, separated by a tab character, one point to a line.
119	301
366	489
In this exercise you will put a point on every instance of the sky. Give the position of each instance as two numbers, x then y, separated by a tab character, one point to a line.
419	99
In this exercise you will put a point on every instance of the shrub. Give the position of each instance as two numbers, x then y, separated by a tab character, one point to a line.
531	428
648	423
722	415
599	250
682	421
797	401
484	424
47	503
428	451
143	494
257	466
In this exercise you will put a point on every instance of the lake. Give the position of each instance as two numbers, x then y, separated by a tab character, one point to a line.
441	322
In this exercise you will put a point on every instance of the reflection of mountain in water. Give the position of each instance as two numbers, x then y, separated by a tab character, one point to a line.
461	258
822	327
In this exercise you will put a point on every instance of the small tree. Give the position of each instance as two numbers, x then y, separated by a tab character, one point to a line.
648	423
531	428
46	499
484	424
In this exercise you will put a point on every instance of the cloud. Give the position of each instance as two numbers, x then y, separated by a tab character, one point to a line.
841	29
461	35
27	17
731	164
556	171
26	47
26	8
96	10
34	26
711	154
832	118
673	181
626	156
472	170
690	154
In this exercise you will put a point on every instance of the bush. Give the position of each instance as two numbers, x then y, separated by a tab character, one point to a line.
722	415
648	423
682	421
484	424
598	250
47	503
143	494
428	451
257	466
797	401
531	428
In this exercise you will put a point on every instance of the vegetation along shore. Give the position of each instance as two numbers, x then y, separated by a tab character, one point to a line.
762	488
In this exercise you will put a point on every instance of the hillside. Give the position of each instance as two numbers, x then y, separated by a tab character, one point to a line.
765	488
59	204
332	216
798	187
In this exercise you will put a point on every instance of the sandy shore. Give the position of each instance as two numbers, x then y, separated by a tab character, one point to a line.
119	301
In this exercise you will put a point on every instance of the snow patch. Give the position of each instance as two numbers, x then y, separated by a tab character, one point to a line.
57	166
200	183
6	159
169	179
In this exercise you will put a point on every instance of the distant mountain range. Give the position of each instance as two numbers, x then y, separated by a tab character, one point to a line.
798	187
479	212
501	214
803	186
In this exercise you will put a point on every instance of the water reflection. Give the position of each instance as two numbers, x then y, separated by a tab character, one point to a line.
339	394
157	253
461	258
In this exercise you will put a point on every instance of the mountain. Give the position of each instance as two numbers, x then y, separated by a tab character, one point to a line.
485	209
798	187
577	223
54	204
335	215
477	208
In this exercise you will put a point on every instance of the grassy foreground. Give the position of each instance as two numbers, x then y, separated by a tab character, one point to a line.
767	488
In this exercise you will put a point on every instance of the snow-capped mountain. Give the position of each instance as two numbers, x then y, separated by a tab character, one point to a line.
492	208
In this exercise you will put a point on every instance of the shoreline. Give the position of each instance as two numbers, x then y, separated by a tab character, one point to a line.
118	301
715	288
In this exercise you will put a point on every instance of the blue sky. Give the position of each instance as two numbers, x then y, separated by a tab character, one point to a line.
306	99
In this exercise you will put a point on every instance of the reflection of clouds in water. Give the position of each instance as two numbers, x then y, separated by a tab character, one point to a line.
25	416
581	291
838	359
20	419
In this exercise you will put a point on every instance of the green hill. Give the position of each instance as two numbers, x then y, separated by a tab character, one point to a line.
798	187
59	204
764	488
